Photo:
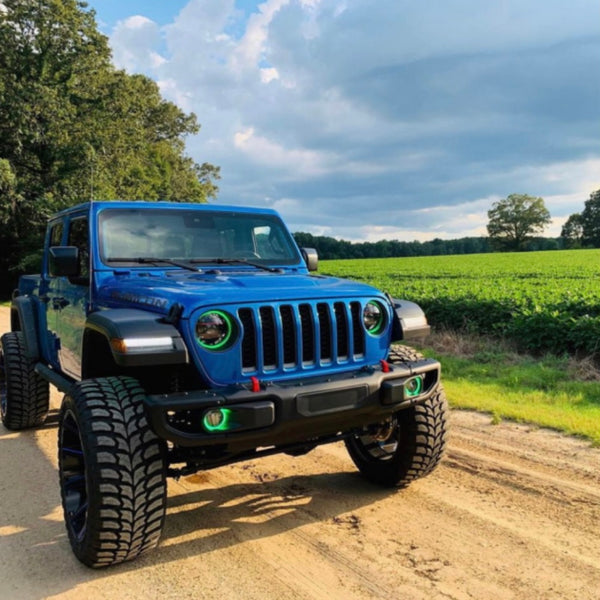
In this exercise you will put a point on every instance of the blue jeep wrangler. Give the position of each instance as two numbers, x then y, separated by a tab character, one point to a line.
186	337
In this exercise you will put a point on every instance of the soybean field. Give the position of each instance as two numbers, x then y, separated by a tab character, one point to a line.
542	301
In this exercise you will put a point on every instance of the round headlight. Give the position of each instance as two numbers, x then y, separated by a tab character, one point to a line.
413	386
373	317
214	329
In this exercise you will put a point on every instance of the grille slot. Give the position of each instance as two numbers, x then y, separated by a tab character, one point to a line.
324	331
293	336
288	330
357	329
249	349
307	324
269	337
341	328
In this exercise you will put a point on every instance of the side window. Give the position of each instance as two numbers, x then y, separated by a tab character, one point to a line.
56	234
79	236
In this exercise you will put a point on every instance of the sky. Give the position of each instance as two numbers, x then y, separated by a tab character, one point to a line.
379	119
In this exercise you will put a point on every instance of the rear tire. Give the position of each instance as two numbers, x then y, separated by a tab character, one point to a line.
24	395
112	472
407	446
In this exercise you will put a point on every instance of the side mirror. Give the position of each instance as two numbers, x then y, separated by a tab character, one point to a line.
63	261
311	258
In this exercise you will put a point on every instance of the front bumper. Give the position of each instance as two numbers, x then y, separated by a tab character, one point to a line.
291	412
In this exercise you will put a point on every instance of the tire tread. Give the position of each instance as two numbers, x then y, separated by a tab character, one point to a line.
27	394
125	469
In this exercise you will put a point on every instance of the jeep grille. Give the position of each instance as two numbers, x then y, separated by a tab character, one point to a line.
297	335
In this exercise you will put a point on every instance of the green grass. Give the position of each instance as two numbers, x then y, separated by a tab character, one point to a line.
543	301
545	392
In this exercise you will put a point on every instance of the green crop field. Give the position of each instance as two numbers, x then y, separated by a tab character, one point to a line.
543	301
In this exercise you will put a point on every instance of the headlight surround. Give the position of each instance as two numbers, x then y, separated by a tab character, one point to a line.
374	317
215	330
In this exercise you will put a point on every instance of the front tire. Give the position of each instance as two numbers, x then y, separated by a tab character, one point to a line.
24	395
410	444
112	472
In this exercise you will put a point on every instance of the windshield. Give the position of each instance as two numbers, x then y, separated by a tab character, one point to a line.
194	235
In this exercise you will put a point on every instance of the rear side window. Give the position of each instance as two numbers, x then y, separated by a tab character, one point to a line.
56	234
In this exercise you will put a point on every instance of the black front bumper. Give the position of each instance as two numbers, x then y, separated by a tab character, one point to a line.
290	412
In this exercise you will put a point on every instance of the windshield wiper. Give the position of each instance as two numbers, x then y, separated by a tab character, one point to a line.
234	261
143	260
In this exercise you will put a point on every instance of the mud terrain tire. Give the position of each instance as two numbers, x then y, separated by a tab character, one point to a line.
112	472
410	445
24	395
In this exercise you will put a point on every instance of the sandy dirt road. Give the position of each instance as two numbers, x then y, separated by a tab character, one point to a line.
512	512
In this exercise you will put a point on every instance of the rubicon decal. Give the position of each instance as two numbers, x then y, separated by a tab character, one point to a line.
136	299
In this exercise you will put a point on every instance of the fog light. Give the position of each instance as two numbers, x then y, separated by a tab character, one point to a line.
413	386
216	419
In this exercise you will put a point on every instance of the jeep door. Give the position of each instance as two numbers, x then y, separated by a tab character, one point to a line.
69	299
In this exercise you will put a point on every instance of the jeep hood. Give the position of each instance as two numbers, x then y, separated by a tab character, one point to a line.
158	291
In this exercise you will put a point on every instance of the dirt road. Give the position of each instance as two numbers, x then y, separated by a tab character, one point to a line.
512	512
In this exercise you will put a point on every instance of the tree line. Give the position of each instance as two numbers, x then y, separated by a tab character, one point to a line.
333	249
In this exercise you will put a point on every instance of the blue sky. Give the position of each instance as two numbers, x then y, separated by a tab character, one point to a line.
394	119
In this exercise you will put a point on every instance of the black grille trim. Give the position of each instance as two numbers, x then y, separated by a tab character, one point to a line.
290	336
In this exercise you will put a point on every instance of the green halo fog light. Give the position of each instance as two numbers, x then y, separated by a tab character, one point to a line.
373	317
216	419
214	329
413	386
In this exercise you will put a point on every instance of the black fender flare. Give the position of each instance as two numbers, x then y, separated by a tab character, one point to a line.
25	309
409	321
122	326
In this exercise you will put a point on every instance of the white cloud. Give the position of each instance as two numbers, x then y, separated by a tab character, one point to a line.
267	152
250	50
134	41
423	112
268	74
156	60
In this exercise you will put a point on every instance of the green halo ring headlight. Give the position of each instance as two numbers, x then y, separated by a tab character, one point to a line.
413	387
214	329
374	317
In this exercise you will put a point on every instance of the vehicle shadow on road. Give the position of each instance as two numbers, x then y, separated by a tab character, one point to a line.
212	515
228	515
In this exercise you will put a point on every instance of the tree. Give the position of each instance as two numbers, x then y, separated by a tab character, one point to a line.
590	221
72	127
572	231
583	229
513	220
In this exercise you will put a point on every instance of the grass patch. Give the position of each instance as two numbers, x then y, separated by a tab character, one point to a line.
560	393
